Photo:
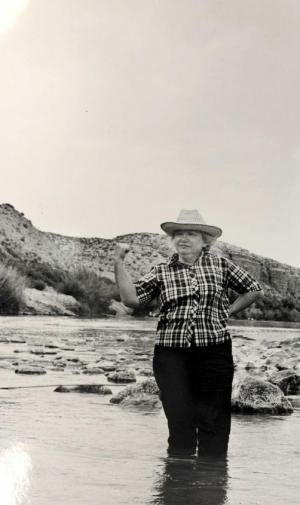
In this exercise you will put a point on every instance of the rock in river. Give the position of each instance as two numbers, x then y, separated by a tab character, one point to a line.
107	366
144	394
30	370
85	388
93	371
122	376
17	340
252	395
40	351
287	380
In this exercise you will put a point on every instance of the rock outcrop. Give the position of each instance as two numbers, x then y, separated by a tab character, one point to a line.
21	243
48	302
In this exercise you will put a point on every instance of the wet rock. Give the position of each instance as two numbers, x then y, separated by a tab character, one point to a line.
17	340
277	353
279	364
42	351
147	372
30	370
267	343
242	337
107	366
253	395
142	402
123	338
293	342
249	365
122	377
85	388
93	371
287	364
287	380
144	392
59	364
142	357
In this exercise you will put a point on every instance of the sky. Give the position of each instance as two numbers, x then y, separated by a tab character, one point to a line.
114	115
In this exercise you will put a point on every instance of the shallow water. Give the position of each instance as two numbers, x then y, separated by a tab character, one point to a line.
80	449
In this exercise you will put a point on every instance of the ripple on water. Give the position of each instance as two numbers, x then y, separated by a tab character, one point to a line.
84	450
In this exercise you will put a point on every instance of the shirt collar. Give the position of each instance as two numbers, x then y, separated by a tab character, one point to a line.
174	260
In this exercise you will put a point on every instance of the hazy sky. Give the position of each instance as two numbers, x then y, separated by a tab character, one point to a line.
115	114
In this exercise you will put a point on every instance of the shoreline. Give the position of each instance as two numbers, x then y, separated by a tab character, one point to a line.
152	320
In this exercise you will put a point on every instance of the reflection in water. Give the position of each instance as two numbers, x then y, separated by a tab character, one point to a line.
201	481
15	466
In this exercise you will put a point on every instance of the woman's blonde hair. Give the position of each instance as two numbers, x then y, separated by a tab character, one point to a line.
209	240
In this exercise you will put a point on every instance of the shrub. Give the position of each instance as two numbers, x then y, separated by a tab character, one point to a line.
12	285
41	273
94	293
40	285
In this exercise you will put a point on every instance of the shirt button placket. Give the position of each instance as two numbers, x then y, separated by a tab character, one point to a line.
194	304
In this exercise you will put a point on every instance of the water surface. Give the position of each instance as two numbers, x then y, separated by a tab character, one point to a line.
82	450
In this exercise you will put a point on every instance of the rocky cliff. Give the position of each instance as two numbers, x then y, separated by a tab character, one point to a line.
22	244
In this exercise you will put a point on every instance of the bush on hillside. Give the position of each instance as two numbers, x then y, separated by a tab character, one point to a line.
38	273
39	285
272	308
12	285
94	293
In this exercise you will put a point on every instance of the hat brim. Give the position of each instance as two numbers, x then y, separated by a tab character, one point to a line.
170	228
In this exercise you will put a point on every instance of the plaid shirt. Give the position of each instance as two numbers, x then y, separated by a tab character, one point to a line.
193	299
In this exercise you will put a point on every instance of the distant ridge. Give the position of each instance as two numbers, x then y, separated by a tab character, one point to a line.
22	243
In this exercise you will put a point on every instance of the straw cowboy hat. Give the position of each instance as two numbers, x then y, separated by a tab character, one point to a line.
190	220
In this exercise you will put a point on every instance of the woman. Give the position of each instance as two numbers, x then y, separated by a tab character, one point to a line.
192	362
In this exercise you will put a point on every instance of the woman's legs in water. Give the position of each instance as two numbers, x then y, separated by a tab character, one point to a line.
172	374
212	374
195	385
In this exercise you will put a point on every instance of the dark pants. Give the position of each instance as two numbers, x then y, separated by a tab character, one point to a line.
195	385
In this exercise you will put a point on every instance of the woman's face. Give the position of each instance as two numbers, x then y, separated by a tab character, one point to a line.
188	242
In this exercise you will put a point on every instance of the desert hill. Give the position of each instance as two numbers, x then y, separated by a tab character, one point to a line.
21	244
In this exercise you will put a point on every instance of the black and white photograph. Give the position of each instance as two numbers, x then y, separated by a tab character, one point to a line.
149	252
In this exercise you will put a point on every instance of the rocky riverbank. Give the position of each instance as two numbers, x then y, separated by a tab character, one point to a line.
48	303
41	260
267	375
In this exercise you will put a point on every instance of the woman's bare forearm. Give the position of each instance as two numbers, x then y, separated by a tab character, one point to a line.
125	285
244	301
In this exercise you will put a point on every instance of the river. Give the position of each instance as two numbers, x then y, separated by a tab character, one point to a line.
63	449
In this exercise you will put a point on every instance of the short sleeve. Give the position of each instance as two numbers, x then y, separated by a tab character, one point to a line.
239	280
147	287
